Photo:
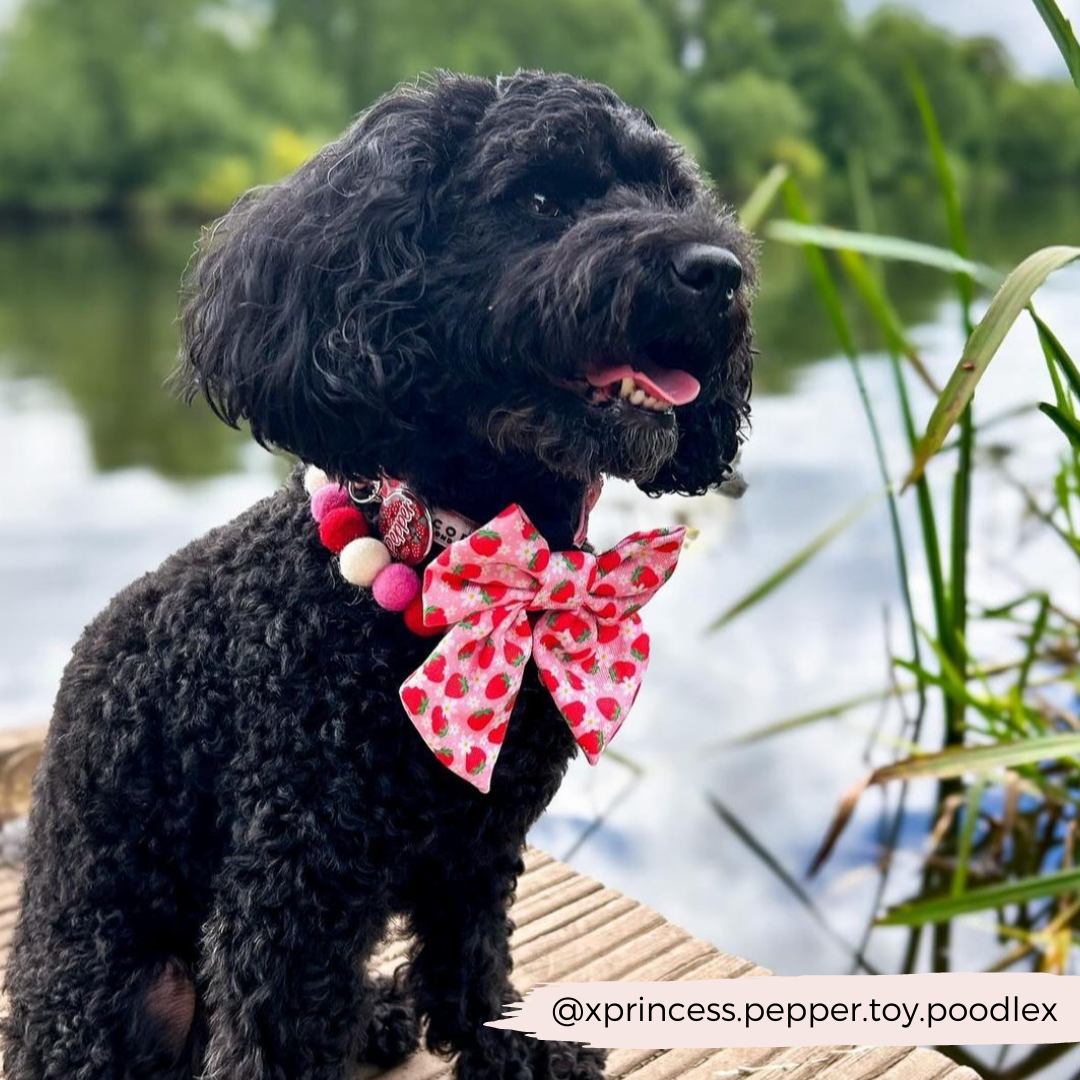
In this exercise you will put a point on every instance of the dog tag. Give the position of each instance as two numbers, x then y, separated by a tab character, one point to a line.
405	524
450	526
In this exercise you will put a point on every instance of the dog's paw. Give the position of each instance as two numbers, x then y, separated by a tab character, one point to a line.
393	1032
571	1061
498	1055
518	1057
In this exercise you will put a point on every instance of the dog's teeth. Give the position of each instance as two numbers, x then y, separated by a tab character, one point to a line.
626	387
637	397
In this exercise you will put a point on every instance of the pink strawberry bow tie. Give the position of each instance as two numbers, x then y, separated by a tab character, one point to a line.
588	642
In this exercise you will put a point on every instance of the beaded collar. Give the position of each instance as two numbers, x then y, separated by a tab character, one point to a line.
408	531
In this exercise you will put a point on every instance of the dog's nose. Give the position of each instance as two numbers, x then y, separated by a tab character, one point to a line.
710	272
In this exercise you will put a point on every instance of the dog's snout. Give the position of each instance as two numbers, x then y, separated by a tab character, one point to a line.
710	272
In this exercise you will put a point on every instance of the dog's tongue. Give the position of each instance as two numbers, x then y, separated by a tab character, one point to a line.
673	385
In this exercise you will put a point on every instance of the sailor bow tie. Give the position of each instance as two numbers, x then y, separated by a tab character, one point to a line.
585	635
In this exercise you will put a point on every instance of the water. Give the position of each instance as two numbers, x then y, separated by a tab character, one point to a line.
105	474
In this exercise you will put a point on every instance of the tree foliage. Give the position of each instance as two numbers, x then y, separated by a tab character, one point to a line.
126	103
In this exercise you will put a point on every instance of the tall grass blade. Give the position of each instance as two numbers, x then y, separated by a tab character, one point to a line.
967	838
1013	296
991	897
797	561
1056	355
872	292
885	315
950	651
952	762
893	248
961	760
827	712
1062	32
862	200
830	296
1069	426
762	197
953	216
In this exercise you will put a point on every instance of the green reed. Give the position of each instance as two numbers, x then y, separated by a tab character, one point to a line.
1005	846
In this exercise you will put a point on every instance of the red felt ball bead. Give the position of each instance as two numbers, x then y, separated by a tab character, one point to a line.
342	526
414	619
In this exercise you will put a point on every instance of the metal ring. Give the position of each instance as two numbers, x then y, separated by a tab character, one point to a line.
372	495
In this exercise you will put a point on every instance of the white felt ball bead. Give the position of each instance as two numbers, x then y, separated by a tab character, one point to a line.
314	478
361	560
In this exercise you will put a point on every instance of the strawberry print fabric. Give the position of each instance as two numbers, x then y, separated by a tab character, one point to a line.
586	637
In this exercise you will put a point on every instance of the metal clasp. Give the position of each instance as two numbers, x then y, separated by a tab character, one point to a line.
365	492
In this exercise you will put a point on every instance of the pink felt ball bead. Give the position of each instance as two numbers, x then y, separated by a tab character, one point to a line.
327	498
395	587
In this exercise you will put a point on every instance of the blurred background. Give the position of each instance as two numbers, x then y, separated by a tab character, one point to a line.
127	124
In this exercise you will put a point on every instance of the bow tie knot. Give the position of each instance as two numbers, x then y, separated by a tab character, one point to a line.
585	636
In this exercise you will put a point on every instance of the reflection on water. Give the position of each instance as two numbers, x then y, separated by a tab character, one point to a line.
106	474
92	312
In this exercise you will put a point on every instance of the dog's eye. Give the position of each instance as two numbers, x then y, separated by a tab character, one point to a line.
543	205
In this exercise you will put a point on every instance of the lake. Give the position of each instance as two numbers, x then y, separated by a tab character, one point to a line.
106	474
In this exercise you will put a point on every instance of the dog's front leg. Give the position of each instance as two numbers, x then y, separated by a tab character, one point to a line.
460	972
282	971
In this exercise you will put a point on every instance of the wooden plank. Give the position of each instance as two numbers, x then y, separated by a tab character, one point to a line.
674	1064
558	956
577	888
624	962
670	965
542	879
563	915
740	1063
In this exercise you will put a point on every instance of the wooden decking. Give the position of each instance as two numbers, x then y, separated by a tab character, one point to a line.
572	928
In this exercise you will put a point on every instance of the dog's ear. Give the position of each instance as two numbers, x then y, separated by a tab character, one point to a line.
712	429
301	311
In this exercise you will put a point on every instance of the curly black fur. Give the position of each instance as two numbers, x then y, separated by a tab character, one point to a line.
232	802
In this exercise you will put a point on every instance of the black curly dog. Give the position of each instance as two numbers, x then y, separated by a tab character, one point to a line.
233	801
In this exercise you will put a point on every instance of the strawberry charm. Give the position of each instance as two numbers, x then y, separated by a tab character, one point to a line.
405	524
588	644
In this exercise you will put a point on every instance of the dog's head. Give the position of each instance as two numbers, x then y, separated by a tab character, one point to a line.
524	267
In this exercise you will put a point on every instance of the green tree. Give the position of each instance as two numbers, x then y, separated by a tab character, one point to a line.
1039	131
105	103
894	42
743	122
140	103
739	36
852	112
374	44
